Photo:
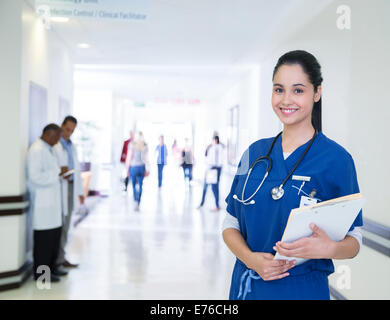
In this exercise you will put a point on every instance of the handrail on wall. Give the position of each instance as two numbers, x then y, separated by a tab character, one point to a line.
376	228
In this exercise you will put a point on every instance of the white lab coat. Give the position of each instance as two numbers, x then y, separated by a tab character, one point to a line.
78	190
215	156
43	183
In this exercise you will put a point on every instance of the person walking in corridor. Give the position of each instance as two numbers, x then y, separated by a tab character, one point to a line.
138	164
125	149
162	153
187	161
214	160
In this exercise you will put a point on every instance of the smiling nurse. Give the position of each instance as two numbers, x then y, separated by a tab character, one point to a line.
275	175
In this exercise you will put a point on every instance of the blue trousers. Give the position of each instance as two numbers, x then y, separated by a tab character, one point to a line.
187	169
214	187
137	174
160	168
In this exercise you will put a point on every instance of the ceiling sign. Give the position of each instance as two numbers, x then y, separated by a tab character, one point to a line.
97	9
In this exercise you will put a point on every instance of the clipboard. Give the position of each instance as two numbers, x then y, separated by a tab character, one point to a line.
212	176
67	173
334	216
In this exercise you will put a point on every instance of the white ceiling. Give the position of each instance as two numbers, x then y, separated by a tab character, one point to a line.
176	32
143	83
186	32
185	35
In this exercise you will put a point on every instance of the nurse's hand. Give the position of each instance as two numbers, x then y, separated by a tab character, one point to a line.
268	268
317	246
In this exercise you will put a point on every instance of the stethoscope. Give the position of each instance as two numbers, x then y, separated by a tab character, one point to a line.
276	192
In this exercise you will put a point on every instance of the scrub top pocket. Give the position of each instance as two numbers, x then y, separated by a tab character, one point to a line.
306	188
294	190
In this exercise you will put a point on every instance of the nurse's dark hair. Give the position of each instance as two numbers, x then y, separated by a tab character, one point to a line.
312	68
51	127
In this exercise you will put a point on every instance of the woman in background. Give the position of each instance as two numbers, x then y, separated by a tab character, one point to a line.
138	164
187	161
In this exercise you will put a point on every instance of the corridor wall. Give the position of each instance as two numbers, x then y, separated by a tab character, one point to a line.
32	54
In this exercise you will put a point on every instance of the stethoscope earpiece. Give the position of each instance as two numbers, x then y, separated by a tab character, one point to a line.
243	202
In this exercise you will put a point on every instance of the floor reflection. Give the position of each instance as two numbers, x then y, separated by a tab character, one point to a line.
167	250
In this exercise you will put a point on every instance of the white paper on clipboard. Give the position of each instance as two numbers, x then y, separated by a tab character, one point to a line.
334	216
67	173
212	176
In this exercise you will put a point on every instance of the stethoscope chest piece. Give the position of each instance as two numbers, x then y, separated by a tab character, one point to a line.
277	192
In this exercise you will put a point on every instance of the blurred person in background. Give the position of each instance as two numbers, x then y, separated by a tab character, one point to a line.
214	161
187	161
125	149
176	153
215	134
162	154
138	161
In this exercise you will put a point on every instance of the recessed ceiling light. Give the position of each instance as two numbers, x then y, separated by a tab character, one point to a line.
59	19
83	45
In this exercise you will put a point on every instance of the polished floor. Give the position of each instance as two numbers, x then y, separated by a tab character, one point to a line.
167	250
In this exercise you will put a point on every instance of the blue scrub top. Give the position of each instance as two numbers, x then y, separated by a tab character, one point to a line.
333	175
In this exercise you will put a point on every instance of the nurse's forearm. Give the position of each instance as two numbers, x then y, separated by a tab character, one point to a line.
345	249
236	243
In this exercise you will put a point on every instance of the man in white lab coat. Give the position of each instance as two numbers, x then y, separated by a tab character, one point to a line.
72	188
43	183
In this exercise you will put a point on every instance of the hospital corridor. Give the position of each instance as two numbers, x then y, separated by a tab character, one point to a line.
178	150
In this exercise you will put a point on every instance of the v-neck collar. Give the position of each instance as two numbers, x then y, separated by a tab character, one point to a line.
292	159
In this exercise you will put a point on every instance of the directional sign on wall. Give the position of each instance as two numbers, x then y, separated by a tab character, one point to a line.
98	9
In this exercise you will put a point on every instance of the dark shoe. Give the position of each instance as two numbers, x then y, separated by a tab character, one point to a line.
54	278
59	272
67	264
